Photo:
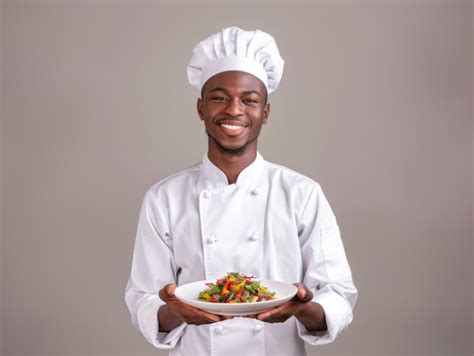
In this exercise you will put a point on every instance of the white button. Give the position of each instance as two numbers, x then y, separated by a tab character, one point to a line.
254	192
211	239
207	195
253	237
219	329
257	328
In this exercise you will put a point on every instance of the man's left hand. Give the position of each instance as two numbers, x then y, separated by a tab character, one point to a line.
309	313
293	307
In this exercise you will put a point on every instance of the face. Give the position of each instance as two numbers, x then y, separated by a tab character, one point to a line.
233	107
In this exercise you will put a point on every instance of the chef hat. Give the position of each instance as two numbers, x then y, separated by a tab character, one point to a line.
254	52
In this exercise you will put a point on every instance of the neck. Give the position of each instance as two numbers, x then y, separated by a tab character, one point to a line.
232	165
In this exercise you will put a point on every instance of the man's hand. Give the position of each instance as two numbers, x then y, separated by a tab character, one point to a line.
174	312
310	314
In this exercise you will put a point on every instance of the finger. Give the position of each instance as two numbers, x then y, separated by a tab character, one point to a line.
274	320
269	313
252	316
212	317
198	313
205	318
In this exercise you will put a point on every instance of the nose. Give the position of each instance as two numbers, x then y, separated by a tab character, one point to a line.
234	107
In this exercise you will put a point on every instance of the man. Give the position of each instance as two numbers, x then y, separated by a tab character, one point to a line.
236	212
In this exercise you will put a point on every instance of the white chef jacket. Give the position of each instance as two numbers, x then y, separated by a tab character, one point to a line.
273	223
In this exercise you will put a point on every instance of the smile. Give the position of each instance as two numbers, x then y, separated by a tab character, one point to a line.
231	127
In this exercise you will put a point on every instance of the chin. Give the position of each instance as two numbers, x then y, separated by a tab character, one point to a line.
237	150
232	145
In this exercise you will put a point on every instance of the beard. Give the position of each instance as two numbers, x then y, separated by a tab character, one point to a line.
239	151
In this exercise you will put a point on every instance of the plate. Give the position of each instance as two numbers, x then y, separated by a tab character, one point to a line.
188	294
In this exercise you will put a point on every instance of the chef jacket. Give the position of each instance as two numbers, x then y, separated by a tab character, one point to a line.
273	223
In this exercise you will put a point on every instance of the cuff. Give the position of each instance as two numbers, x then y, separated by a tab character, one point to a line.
338	314
149	325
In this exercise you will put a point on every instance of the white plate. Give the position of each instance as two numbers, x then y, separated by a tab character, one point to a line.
188	294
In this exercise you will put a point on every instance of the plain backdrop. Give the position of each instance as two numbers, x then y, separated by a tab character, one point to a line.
375	104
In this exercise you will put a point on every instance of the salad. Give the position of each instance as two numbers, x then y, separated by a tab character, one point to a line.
236	288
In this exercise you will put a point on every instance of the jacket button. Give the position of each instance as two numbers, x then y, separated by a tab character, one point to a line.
254	192
253	237
206	195
211	239
219	329
257	328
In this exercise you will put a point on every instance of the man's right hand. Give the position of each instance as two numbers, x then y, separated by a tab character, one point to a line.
174	312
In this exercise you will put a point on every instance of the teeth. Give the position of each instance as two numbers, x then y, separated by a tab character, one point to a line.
232	127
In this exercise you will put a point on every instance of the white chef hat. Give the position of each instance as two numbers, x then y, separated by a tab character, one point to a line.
254	52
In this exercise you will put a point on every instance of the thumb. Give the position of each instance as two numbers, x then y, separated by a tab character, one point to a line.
303	293
167	292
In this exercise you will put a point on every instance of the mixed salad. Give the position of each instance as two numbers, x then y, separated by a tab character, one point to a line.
236	288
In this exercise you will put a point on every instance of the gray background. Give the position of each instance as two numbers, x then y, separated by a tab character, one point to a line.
375	104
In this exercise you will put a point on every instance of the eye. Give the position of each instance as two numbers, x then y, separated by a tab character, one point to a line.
250	101
218	98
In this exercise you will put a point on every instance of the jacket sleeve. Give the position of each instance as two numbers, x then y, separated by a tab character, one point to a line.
153	267
326	271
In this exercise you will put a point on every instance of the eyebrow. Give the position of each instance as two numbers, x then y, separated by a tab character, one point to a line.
226	91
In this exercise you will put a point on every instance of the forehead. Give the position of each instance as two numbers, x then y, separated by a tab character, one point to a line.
235	81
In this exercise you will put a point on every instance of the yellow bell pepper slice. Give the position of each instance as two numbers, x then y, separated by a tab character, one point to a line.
237	287
207	297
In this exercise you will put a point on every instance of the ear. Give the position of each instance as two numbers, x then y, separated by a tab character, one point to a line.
266	113
199	109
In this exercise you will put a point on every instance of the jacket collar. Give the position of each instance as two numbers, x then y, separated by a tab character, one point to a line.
214	177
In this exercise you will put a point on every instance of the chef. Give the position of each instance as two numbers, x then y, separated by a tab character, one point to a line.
236	212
